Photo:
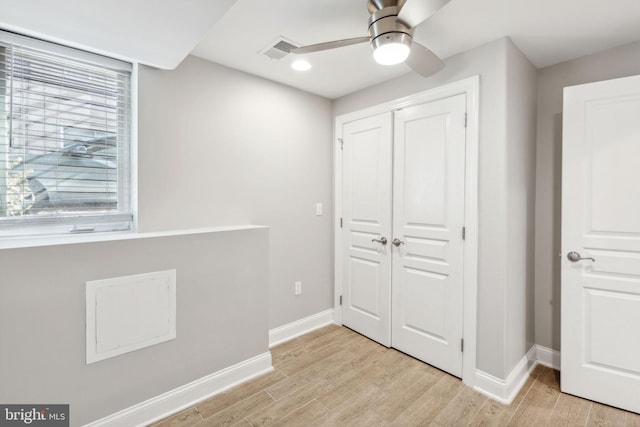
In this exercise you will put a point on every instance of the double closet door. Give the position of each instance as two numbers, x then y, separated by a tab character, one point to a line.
403	229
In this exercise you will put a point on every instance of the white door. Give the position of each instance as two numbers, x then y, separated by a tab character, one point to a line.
428	216
366	213
600	356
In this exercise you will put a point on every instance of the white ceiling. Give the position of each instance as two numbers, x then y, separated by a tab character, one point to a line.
547	31
153	32
234	32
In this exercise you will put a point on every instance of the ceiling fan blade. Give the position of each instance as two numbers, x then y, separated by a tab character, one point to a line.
416	11
423	61
329	45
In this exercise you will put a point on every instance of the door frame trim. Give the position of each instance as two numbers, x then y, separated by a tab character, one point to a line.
470	87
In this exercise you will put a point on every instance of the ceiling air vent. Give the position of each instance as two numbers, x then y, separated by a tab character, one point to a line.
278	49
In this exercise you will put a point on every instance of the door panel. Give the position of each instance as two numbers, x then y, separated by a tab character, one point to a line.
428	216
600	355
604	349
613	166
424	314
422	169
364	296
366	216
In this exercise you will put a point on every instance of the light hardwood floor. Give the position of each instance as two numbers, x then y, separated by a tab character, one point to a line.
336	377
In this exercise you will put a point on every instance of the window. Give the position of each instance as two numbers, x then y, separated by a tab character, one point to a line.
64	140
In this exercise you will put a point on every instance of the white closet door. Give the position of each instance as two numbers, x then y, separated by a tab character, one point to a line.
600	355
428	216
367	217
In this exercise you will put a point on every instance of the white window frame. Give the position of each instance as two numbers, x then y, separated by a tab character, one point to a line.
72	228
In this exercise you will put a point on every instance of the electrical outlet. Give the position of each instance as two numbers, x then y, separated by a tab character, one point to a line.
297	290
318	209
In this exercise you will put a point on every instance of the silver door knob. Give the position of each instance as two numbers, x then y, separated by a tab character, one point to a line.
397	242
382	240
575	257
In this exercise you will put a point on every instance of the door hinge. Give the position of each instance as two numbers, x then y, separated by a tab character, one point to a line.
465	120
341	141
340	299
340	222
462	345
464	232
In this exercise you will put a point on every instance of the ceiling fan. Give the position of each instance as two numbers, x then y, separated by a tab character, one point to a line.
391	27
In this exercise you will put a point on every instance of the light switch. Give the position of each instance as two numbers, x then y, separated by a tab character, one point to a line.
318	209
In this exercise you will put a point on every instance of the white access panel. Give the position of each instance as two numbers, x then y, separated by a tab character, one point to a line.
129	313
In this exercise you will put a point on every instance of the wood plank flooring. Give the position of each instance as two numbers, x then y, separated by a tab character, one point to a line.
336	377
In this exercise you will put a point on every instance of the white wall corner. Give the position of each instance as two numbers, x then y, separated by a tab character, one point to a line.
548	357
183	397
504	391
300	327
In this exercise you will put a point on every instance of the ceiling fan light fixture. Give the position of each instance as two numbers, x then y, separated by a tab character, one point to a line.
391	48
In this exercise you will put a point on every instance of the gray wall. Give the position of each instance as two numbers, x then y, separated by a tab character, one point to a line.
216	147
219	147
520	192
501	67
221	284
614	63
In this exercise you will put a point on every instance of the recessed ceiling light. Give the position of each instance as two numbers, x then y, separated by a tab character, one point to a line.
301	65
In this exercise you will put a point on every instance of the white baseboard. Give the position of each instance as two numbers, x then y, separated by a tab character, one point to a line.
548	357
505	391
300	327
187	395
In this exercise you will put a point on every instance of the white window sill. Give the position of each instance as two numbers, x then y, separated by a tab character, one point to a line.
30	242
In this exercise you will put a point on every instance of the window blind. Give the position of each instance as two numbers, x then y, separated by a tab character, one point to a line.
64	141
